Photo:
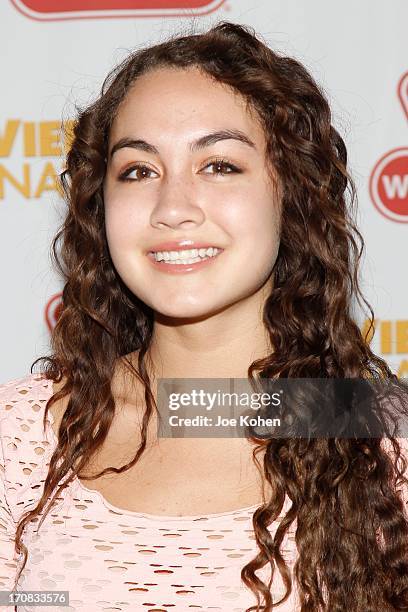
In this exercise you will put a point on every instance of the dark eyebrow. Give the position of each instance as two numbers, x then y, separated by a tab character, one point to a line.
202	142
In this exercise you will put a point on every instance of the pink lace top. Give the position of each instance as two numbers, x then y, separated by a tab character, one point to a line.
108	558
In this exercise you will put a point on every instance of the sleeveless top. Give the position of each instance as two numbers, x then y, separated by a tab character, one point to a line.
109	558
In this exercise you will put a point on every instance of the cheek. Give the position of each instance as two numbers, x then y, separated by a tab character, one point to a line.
123	220
253	219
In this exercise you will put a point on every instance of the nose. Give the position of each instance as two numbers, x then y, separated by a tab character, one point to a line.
176	205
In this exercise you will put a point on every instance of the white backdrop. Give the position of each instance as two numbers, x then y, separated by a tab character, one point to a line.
53	58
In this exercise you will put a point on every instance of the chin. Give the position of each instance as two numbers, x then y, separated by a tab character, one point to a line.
185	311
186	314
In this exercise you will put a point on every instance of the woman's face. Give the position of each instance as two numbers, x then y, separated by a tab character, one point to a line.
187	163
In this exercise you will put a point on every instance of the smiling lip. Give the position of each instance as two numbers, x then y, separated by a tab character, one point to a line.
179	245
163	266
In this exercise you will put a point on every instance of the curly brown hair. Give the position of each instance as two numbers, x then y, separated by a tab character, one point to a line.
352	531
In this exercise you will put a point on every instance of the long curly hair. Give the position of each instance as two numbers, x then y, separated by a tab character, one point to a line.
352	530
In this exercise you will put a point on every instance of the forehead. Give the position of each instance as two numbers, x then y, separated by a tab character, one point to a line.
173	99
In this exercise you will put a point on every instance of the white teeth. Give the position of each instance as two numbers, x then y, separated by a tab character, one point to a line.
186	255
186	261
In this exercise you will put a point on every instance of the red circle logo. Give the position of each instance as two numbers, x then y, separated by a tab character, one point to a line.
389	185
402	89
53	310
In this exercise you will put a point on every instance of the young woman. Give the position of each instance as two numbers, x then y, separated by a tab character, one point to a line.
214	153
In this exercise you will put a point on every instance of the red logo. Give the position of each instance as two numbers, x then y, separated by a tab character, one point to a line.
53	10
403	92
389	185
389	179
53	310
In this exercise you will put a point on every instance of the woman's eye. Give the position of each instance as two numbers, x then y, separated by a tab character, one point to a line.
136	173
140	172
221	167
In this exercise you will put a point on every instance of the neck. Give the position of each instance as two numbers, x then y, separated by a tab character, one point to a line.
221	345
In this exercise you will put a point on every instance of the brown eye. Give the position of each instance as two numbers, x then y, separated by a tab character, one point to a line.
222	167
139	173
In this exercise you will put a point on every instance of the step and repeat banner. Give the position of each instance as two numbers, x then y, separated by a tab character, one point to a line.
54	56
